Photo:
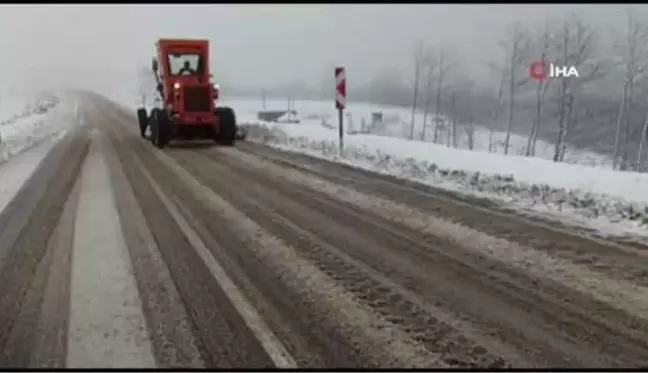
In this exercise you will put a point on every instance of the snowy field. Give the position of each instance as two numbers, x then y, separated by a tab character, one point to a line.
30	124
396	123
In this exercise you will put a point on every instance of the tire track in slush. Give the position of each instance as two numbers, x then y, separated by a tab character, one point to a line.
622	261
107	325
168	322
573	314
27	238
305	227
207	163
38	338
279	355
222	337
620	294
362	323
388	341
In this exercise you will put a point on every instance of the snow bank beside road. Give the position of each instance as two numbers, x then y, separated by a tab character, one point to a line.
610	201
28	133
27	125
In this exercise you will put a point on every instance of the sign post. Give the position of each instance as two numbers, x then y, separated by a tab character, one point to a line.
340	102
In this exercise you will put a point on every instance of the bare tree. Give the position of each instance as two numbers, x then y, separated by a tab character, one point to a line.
542	86
443	68
470	133
564	92
431	67
642	144
577	44
460	94
419	65
516	46
495	112
451	131
634	58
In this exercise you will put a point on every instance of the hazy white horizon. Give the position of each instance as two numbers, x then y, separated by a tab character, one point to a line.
102	46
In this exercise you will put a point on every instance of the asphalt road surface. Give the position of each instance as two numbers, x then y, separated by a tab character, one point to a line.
116	254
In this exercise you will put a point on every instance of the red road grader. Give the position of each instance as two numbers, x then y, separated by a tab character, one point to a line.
188	98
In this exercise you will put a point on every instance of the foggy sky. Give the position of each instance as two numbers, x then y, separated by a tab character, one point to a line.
102	46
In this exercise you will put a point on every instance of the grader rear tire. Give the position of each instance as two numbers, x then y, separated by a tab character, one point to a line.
142	120
227	126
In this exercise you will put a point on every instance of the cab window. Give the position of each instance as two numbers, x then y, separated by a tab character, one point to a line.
186	64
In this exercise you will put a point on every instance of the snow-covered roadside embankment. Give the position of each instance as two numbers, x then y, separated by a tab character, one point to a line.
27	136
613	202
27	127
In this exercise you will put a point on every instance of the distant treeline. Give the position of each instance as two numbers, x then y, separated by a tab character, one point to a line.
390	89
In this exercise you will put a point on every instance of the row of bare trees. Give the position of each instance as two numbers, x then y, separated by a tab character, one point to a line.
559	105
632	48
434	79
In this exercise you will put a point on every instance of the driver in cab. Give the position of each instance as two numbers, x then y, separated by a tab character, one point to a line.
187	70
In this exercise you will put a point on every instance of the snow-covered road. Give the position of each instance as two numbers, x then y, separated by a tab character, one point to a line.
582	192
116	254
